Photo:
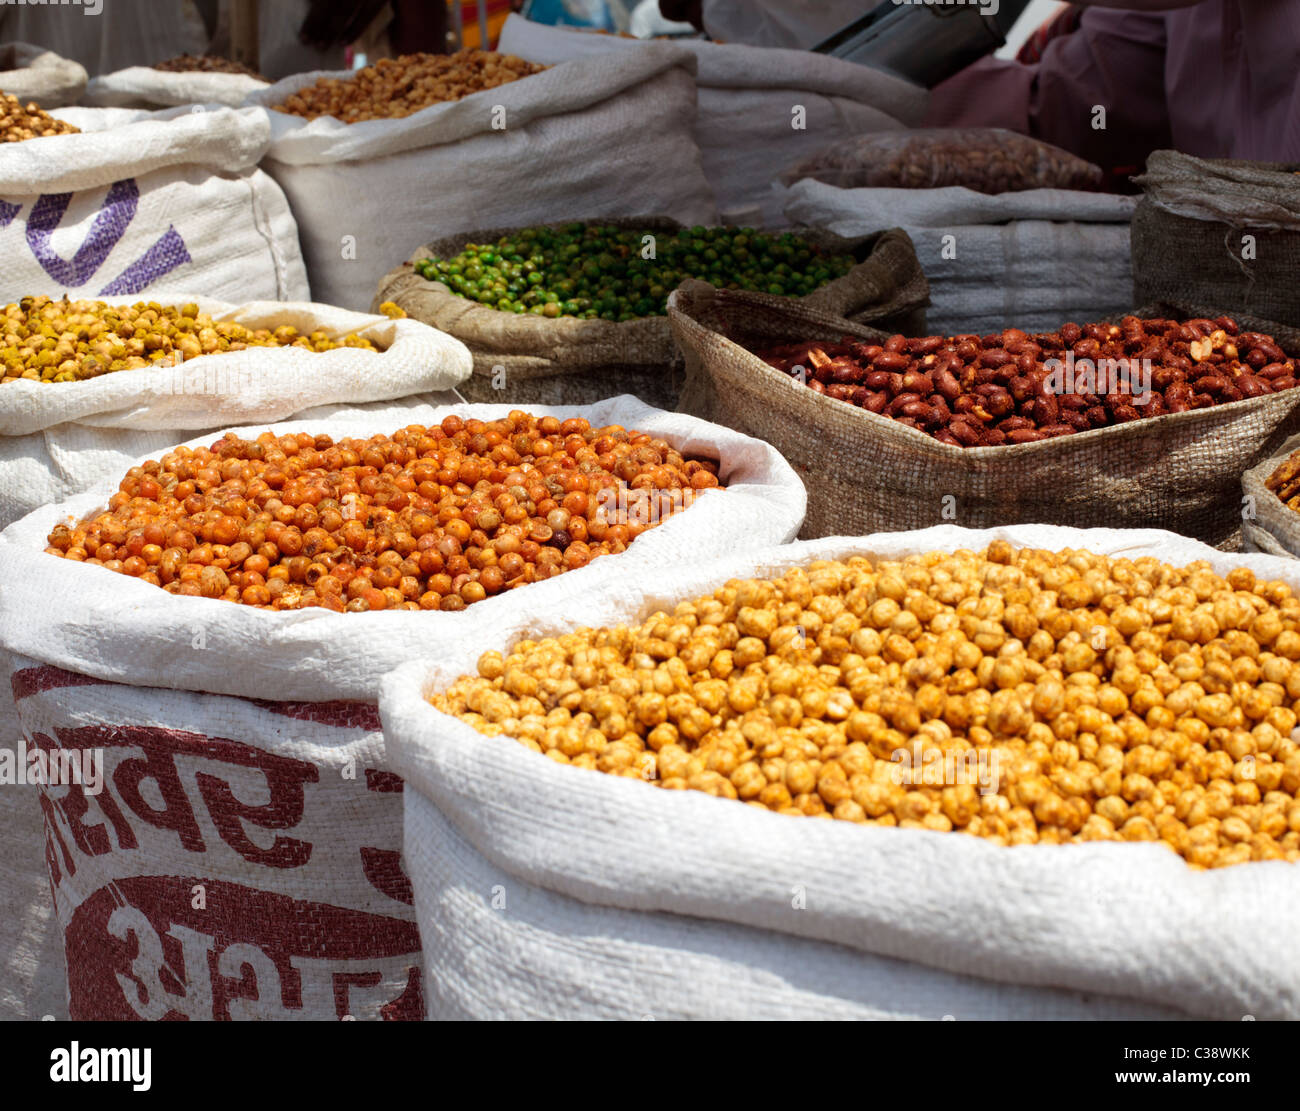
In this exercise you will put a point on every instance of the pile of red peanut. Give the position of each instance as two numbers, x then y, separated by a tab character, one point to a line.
1013	387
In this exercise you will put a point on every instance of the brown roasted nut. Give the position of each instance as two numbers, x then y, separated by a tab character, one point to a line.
987	379
1025	436
205	63
20	121
394	88
893	361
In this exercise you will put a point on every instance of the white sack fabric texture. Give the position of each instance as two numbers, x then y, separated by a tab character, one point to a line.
1032	259
759	109
59	439
146	87
239	858
32	979
256	732
607	136
157	204
34	73
544	891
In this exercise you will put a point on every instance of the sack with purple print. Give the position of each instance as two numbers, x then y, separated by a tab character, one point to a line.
153	205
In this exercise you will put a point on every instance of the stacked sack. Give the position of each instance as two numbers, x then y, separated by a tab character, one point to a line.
1007	228
34	73
494	143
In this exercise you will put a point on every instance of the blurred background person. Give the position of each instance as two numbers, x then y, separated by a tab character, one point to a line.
123	33
1214	78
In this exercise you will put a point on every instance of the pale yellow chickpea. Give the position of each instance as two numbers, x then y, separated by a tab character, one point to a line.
1123	700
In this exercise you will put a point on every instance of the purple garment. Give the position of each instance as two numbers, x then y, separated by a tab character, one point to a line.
1218	80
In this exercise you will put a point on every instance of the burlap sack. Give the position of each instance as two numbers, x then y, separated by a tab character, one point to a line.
867	473
34	73
525	359
1219	232
1268	524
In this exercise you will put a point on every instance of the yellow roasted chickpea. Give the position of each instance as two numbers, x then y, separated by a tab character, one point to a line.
1116	700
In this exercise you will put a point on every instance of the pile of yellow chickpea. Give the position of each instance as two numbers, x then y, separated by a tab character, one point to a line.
1024	696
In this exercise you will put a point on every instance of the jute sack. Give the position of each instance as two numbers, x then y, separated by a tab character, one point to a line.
866	473
162	204
59	439
760	109
529	359
1268	524
607	136
241	856
993	259
544	891
146	87
34	73
1219	232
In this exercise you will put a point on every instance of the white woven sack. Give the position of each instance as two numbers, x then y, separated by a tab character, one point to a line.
110	652
32	976
1032	259
557	892
608	136
59	439
33	982
158	204
760	109
146	87
34	73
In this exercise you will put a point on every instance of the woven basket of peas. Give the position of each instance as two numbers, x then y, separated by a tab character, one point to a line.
572	312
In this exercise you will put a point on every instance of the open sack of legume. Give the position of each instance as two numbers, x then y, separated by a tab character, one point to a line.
181	80
1027	772
573	312
33	73
213	629
162	204
424	146
87	386
1147	421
